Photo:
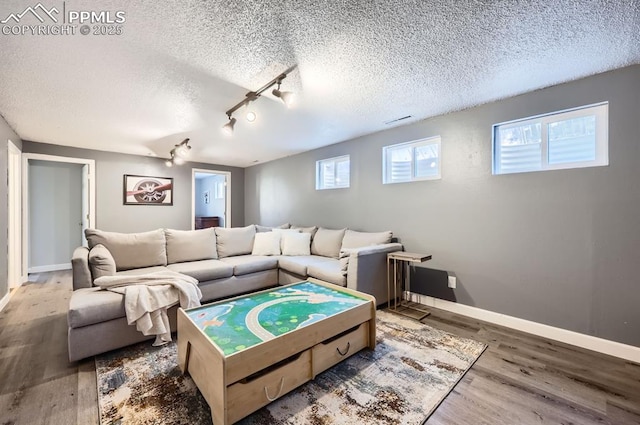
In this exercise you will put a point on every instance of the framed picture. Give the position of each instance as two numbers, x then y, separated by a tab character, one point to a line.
145	190
206	197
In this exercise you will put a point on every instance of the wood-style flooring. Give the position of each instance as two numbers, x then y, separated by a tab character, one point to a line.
519	379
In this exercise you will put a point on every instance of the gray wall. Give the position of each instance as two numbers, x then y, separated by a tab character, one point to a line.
112	215
6	133
55	212
556	247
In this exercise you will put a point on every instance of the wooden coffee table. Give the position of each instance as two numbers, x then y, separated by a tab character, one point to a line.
247	351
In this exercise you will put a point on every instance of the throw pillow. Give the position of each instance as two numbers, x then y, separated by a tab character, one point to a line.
190	245
266	243
353	239
296	243
101	262
235	240
327	242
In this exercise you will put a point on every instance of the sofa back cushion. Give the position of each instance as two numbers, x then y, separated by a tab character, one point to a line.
190	245
261	229
353	239
312	229
327	242
131	250
235	240
101	262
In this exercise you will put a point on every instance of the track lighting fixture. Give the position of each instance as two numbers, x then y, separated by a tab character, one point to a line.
178	153
228	127
285	96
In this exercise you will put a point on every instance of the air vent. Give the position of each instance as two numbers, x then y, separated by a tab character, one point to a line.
398	120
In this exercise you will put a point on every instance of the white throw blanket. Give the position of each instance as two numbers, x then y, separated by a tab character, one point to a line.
148	296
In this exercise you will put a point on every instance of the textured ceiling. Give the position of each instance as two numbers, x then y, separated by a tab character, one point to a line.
179	65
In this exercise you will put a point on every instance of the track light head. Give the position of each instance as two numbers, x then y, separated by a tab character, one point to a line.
287	97
169	162
228	127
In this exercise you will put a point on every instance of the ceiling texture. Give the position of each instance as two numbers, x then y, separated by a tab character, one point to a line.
179	65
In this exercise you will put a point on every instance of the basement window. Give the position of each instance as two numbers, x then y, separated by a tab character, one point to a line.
574	138
333	173
411	161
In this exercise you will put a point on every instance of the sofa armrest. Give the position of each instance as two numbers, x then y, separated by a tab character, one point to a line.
367	270
81	271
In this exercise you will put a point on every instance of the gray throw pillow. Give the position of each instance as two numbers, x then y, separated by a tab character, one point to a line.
353	239
101	262
327	242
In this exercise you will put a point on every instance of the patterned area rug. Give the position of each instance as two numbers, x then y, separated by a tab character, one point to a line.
402	381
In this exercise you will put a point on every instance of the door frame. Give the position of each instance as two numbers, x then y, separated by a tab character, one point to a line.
89	198
227	194
15	275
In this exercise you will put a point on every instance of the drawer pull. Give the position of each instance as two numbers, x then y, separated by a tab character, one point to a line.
346	351
266	391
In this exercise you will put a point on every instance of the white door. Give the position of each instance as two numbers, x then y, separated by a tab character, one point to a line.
15	216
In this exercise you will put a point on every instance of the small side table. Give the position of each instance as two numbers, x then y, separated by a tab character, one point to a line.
398	276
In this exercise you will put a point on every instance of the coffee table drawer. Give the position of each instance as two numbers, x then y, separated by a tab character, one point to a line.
244	398
333	351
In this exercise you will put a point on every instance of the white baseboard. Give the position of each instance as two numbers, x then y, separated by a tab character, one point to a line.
612	348
5	300
50	268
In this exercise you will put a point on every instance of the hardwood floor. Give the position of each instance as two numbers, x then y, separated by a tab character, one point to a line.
520	378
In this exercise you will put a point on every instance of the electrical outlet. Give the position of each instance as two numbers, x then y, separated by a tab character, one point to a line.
452	282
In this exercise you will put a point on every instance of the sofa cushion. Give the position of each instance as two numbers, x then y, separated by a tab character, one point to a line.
296	244
101	262
235	240
353	239
142	270
89	306
190	245
266	243
261	229
311	229
246	264
203	270
299	264
329	271
327	242
131	250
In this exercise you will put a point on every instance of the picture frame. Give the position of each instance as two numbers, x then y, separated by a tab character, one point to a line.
206	197
147	190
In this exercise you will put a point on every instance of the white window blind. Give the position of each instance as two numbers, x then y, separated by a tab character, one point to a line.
568	139
411	161
333	173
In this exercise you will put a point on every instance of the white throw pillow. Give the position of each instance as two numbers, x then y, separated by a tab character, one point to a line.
294	243
266	243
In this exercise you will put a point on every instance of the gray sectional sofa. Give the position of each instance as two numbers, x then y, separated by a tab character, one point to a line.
225	261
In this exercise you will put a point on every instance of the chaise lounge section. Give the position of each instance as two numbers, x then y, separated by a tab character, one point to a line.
225	261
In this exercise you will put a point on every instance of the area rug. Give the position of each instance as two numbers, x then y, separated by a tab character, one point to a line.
402	381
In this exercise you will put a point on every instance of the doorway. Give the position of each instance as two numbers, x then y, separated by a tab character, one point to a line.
211	198
58	205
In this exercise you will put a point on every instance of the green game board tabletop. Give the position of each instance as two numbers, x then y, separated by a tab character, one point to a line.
239	323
